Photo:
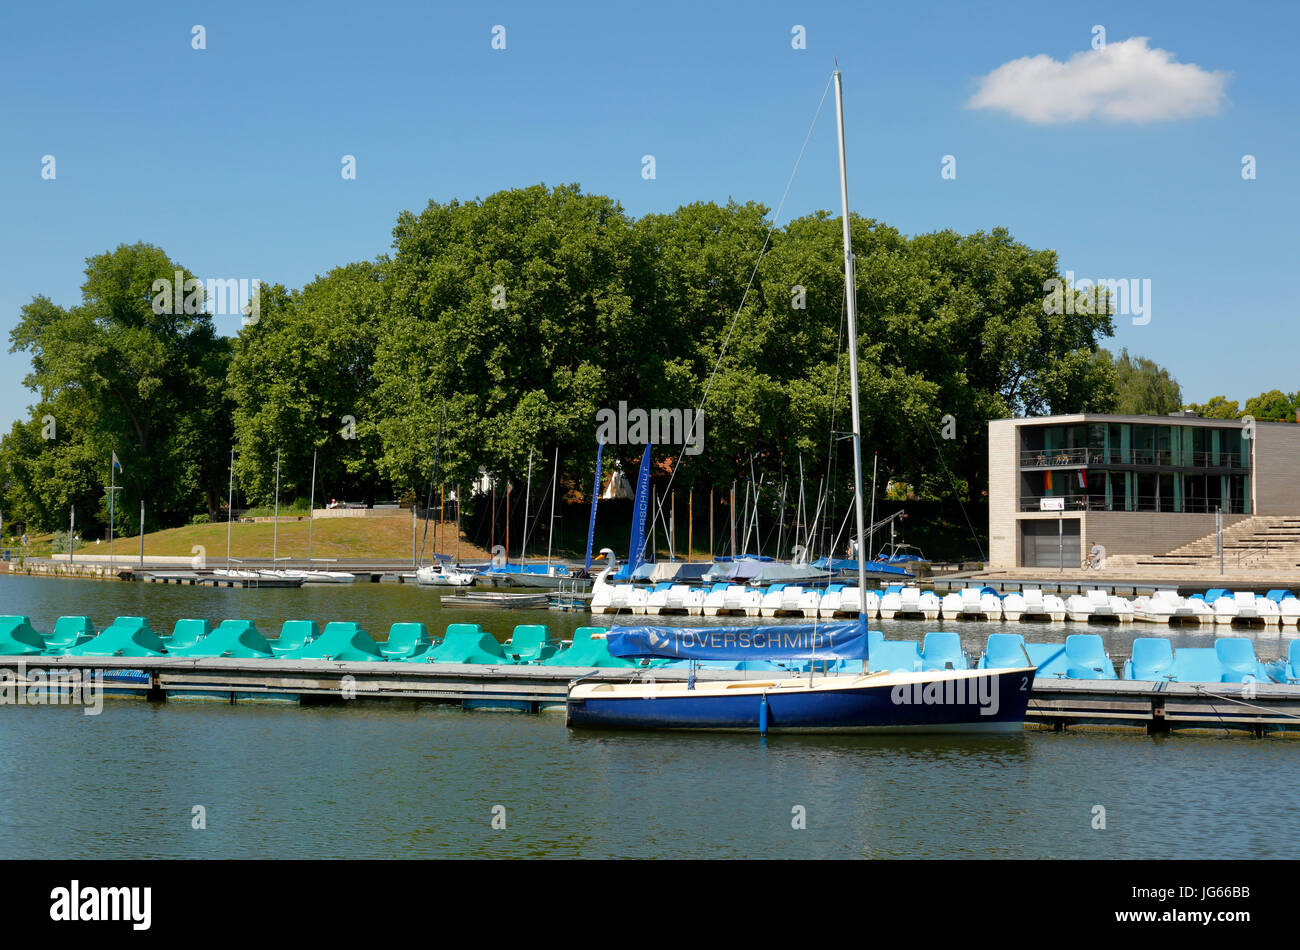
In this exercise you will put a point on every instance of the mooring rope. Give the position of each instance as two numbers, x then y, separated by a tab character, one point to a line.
1241	702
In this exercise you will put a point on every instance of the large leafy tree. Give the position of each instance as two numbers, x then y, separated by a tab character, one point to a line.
301	380
508	322
511	322
1274	406
123	371
1144	388
1218	407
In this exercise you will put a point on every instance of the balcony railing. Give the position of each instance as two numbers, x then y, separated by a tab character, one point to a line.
1074	458
1158	503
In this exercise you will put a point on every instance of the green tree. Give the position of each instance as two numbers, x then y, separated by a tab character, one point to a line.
513	315
301	380
123	371
1217	408
1144	388
1274	406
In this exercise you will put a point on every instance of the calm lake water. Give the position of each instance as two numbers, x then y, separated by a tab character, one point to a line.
427	781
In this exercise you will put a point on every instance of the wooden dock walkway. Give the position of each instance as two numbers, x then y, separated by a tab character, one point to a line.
1056	705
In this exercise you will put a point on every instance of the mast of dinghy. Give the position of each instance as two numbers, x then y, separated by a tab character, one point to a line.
311	507
850	299
550	529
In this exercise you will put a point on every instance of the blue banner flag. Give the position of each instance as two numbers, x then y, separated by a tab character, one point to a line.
595	500
844	640
639	508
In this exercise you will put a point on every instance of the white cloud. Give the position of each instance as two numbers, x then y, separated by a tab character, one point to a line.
1122	82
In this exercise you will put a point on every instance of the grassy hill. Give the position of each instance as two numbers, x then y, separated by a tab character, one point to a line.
343	538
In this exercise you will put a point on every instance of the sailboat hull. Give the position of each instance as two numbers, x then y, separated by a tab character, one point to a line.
958	701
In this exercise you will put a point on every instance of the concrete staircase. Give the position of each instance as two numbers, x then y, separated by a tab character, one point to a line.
1264	543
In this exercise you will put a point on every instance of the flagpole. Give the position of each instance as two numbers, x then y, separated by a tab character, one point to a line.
275	529
112	490
230	507
311	508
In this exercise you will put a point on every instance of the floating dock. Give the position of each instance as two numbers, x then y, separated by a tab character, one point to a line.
196	579
1056	705
492	598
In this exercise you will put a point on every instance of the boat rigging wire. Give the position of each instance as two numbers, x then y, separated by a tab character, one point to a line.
744	297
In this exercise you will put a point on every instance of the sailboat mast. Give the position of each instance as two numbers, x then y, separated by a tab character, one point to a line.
850	299
230	507
550	529
528	493
875	467
311	507
275	531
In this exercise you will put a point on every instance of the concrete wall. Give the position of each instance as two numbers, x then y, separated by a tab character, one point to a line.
362	513
1148	532
1004	473
1276	478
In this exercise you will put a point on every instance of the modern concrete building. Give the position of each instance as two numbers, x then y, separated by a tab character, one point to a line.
1136	485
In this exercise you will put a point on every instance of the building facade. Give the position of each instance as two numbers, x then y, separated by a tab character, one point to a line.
1134	484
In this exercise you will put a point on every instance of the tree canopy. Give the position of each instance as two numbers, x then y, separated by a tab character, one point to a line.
1144	389
115	373
508	322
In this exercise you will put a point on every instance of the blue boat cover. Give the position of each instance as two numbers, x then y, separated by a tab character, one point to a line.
872	567
744	570
845	640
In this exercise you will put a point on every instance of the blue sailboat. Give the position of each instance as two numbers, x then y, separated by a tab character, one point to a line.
978	700
949	700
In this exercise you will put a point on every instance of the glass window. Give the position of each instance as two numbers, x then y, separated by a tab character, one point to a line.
1144	445
1147	488
1097	442
1118	445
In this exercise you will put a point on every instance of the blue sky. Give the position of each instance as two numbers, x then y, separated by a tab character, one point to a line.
229	157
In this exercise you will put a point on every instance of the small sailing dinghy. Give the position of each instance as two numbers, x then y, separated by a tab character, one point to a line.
443	574
935	701
940	700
